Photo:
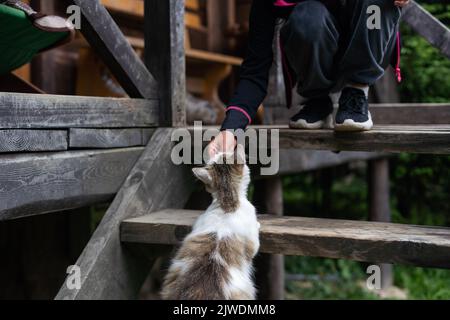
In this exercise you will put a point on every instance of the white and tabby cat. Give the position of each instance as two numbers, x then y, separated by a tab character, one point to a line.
215	259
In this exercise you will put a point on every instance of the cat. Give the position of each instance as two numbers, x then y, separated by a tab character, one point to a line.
215	261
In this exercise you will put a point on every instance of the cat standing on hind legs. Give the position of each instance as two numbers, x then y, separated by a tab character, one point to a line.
215	259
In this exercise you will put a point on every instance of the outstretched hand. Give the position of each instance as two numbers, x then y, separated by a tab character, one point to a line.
223	142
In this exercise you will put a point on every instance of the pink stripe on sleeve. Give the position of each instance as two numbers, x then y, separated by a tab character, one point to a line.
241	110
283	3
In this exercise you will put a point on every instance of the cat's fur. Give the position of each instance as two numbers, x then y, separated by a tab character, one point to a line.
215	259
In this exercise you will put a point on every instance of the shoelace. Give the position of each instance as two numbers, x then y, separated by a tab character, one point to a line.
354	102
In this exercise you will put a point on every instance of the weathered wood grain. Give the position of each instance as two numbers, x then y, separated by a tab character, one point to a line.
392	138
165	57
107	39
33	184
32	140
110	271
23	111
108	138
410	113
380	140
434	31
356	240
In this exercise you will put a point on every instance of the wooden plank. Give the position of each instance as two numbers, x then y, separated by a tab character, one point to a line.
205	56
165	57
380	140
196	54
53	111
32	140
394	139
107	39
411	113
109	138
356	240
110	271
33	184
434	31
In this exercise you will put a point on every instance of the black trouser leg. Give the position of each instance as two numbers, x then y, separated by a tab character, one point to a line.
368	51
328	49
310	41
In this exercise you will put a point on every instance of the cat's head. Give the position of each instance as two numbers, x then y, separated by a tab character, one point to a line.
226	177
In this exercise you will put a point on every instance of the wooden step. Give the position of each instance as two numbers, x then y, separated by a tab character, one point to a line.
356	240
384	138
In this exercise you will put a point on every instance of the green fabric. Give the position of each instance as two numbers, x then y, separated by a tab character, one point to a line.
20	40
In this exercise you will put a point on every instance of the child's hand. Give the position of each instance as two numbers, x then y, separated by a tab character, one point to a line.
401	3
223	142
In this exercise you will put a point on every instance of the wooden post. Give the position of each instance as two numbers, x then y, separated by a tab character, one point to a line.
165	57
379	209
269	192
270	267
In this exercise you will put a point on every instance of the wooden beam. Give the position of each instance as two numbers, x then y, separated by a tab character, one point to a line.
410	113
107	39
33	140
356	240
388	138
110	271
269	276
34	184
109	138
20	111
382	140
434	31
379	206
165	57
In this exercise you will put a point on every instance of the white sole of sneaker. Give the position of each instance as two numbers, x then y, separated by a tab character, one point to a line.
351	125
322	124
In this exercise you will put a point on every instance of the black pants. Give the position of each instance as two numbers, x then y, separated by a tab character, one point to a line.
328	47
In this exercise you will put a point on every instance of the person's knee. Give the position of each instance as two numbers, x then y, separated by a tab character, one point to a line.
308	21
363	5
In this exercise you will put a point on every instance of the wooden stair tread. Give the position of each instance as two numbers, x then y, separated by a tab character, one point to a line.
355	240
384	138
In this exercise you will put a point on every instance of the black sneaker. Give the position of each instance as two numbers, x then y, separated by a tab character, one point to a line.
353	113
316	113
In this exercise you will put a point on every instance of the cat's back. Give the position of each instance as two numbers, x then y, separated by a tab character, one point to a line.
209	266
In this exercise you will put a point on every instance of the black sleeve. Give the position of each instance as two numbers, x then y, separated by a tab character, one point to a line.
254	72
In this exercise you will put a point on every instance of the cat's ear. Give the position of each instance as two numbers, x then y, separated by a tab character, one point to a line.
203	175
240	154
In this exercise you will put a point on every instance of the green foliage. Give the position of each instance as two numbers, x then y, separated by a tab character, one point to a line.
425	70
347	285
423	283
